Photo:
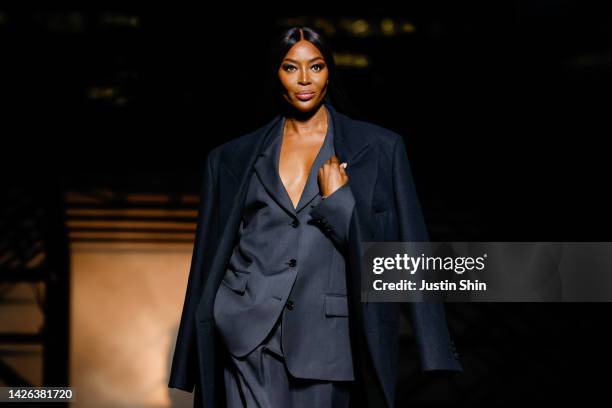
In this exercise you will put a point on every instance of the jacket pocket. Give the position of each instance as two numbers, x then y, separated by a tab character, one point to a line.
336	305
236	280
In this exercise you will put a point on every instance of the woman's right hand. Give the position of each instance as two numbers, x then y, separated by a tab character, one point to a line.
331	176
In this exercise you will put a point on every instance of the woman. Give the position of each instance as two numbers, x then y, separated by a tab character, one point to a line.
272	314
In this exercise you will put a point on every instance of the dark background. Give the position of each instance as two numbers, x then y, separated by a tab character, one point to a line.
504	107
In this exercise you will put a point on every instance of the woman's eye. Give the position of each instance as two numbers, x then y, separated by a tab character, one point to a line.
289	68
317	67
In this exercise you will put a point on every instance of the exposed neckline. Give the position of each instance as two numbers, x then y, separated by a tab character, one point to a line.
312	165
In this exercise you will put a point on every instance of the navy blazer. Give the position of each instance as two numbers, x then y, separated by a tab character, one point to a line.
386	209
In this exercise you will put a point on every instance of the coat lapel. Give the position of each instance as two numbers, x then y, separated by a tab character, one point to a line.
351	146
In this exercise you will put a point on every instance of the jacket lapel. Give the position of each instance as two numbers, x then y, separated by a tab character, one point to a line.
311	189
266	169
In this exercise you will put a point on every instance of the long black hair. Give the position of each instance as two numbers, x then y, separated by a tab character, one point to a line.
335	96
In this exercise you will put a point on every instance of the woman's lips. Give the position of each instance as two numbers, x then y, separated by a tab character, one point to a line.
305	96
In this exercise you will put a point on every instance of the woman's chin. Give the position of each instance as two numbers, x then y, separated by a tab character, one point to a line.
305	106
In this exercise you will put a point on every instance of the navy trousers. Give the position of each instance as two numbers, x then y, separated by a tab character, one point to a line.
261	380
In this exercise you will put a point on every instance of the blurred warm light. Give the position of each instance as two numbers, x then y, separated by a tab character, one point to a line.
37	260
387	26
148	198
127	235
119	20
22	312
408	27
360	27
131	212
62	21
75	197
591	60
19	301
126	304
98	195
190	198
131	224
349	60
102	92
129	275
324	25
355	27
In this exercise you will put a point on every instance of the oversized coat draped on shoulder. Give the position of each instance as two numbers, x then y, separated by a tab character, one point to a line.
386	209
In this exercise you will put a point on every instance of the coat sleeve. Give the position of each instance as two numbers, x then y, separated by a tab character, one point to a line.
428	319
333	214
184	371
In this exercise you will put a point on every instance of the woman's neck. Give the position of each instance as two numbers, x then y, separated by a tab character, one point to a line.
303	124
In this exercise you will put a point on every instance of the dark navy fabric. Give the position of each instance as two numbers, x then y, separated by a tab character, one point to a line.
386	209
261	379
289	263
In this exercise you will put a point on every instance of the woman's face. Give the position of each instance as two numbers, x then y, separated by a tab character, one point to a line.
304	76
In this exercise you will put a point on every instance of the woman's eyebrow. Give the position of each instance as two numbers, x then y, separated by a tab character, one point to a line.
292	60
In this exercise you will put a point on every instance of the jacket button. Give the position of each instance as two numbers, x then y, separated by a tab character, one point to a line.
290	305
292	262
295	223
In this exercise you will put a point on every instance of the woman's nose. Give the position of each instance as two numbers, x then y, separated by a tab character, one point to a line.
304	79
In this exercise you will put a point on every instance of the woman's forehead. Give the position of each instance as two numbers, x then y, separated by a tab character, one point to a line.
303	50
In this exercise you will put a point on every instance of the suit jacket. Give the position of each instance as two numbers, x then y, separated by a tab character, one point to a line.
285	265
386	209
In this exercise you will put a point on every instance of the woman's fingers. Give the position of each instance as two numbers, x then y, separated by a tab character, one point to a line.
331	177
334	159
